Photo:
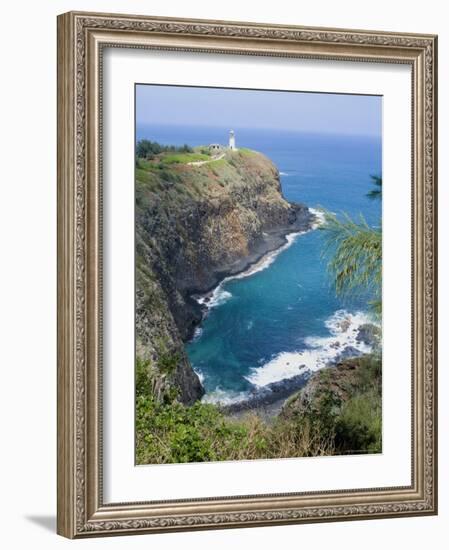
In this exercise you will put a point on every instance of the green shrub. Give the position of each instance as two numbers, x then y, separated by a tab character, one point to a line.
147	149
169	432
359	425
346	411
168	362
174	433
143	381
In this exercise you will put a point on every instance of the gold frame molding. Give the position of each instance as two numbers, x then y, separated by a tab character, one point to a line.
81	38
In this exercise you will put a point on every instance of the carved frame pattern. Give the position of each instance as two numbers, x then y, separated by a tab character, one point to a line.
81	37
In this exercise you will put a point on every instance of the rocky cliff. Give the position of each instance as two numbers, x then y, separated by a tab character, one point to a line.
336	385
195	223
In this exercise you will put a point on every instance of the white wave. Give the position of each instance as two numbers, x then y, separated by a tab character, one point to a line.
320	217
219	296
284	174
268	259
200	375
343	322
320	351
216	298
223	397
197	333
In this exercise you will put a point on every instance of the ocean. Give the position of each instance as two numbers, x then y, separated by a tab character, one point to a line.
282	317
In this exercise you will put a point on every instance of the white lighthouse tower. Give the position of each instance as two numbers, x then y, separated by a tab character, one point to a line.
232	141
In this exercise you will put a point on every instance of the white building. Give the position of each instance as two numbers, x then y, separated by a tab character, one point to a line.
232	141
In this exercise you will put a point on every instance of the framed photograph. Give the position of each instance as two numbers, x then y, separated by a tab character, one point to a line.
246	274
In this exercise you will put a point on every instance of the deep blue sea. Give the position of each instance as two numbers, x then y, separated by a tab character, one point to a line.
283	317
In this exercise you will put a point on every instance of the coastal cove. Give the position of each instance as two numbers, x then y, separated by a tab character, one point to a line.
279	317
235	305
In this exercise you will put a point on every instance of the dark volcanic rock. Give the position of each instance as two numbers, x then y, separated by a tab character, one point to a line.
271	393
346	353
369	334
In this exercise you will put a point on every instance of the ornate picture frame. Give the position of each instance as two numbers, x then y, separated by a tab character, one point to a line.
82	38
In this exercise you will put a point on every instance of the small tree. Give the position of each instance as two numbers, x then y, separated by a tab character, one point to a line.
148	149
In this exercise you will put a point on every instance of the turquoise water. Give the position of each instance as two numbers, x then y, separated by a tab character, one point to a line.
284	317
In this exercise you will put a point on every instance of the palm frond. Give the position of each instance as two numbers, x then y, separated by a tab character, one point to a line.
375	193
356	250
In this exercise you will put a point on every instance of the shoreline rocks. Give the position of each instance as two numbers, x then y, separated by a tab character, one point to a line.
277	393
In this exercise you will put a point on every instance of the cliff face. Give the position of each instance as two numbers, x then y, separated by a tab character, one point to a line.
194	224
336	385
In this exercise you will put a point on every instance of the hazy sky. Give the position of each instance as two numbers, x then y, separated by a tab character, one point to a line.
220	107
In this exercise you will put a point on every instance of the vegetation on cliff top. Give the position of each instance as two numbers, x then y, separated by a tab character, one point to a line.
179	173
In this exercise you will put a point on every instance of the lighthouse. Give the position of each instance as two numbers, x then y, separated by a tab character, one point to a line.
232	141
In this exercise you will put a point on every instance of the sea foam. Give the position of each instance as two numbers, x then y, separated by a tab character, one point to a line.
200	375
224	397
320	217
216	298
319	352
197	333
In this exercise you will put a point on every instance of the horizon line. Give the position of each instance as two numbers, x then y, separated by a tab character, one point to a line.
270	128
